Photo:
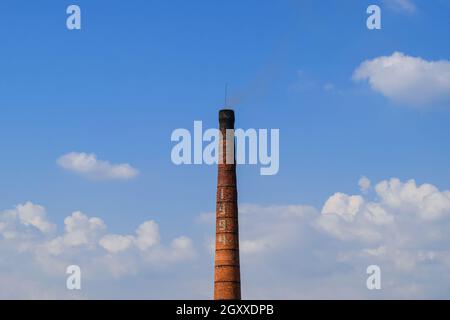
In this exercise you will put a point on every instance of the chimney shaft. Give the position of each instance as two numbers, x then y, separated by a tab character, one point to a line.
227	280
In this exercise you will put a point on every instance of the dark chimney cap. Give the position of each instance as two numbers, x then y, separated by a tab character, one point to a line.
226	115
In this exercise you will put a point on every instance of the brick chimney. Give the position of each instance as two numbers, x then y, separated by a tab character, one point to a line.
227	280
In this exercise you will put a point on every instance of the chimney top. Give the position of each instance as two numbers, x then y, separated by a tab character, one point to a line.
226	118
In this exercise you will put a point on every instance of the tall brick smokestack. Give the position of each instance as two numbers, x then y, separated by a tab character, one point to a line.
227	279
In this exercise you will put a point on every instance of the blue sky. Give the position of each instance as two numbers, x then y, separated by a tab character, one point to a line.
135	72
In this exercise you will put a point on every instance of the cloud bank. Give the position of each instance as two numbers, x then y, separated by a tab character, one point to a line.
287	251
89	166
35	256
303	252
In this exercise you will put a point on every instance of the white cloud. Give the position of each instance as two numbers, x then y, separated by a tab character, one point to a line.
24	286
180	249
406	225
425	200
36	260
299	252
147	236
364	184
401	5
287	251
31	214
399	205
80	230
116	243
343	205
407	80
13	222
89	166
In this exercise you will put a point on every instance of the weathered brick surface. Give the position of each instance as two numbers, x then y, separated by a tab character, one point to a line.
227	257
227	273
227	241
226	209
226	178
226	224
227	270
227	291
226	194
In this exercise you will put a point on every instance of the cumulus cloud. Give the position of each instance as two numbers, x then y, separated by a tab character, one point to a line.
425	200
89	166
116	243
405	227
364	184
343	205
407	80
13	222
147	236
399	205
298	251
287	251
32	245
80	230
